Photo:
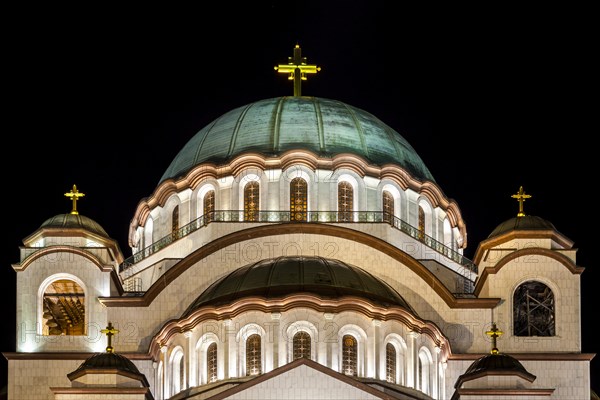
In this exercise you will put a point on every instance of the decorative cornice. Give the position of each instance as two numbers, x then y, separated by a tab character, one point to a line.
520	234
561	258
298	228
529	356
87	391
506	393
44	251
303	300
66	356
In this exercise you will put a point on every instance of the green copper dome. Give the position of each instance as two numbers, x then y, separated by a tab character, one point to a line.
108	363
323	126
74	221
525	223
494	364
282	276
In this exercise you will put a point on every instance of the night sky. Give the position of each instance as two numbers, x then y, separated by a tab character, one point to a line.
490	100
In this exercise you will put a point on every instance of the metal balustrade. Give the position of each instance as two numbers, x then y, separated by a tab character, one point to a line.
306	217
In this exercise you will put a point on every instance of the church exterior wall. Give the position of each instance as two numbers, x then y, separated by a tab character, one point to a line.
174	299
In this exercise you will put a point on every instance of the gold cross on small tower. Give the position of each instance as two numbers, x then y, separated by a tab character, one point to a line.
110	331
521	197
297	69
74	195
494	333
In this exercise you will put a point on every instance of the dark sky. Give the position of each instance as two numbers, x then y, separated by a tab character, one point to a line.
490	100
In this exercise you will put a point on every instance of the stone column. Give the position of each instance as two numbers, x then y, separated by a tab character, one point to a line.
192	361
377	370
229	349
436	370
412	360
166	390
273	337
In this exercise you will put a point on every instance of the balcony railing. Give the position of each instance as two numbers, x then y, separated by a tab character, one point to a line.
306	216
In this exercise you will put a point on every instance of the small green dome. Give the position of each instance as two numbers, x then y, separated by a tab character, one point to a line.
74	221
323	126
525	223
495	364
102	363
282	276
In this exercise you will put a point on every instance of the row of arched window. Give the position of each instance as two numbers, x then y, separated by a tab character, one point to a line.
298	204
301	348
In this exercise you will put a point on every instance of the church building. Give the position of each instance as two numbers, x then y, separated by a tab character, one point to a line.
297	248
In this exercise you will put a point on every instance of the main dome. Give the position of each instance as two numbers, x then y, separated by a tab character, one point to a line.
273	126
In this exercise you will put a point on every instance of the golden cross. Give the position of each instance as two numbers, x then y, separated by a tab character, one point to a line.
494	333
521	197
74	195
110	331
297	69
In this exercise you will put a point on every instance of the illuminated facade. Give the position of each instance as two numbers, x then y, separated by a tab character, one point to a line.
297	241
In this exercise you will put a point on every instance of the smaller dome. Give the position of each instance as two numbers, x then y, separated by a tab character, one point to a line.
101	362
495	364
74	221
526	223
286	275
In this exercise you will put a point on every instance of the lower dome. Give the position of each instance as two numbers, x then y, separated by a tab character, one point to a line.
282	276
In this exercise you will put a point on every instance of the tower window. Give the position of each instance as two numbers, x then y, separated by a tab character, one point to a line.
533	310
64	309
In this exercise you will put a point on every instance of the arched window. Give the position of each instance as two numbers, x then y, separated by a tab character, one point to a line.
148	235
159	382
177	372
208	206
388	206
390	363
301	343
298	199
345	201
175	222
211	362
251	201
181	373
253	355
421	223
349	355
63	305
420	379
424	371
533	304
